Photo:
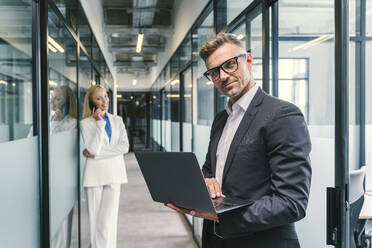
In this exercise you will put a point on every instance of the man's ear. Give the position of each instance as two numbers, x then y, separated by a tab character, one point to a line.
249	60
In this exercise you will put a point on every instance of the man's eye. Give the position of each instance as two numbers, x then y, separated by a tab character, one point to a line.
213	73
229	64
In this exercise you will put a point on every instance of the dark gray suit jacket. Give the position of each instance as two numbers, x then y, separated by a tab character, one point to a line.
268	161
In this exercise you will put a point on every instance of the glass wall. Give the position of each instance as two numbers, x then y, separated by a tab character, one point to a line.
174	98
19	170
20	112
187	111
255	42
368	108
306	78
63	110
235	7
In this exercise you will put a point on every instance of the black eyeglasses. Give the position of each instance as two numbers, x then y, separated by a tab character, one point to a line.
229	66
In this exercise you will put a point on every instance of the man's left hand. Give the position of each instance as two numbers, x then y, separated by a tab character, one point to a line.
204	215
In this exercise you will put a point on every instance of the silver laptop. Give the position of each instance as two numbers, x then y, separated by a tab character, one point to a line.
175	177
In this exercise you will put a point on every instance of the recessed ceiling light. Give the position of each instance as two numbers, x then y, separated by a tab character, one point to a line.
115	35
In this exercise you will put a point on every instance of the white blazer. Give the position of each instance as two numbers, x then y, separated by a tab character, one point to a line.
107	166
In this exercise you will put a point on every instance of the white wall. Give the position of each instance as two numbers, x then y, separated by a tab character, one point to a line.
184	15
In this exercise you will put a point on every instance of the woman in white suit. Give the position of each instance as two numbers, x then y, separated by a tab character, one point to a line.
106	142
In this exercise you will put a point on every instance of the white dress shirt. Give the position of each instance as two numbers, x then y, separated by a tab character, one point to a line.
236	113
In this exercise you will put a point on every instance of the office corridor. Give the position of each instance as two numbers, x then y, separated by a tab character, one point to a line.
144	223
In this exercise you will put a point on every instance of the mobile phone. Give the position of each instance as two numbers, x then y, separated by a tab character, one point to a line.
92	106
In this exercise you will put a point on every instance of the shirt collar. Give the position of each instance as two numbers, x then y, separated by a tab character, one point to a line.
243	101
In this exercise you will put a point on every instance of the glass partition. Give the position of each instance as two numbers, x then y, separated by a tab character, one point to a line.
19	169
187	111
63	172
256	47
235	7
306	54
16	93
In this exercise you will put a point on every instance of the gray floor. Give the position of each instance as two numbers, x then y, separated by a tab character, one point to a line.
144	223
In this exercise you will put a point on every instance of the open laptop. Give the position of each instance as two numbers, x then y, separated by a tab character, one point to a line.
175	177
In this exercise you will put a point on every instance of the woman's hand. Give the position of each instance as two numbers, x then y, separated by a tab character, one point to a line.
87	154
98	114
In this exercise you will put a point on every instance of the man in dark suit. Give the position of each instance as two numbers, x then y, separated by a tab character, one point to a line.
259	149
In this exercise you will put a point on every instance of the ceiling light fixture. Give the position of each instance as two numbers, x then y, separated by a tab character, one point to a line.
313	42
3	82
52	48
52	83
55	44
139	42
134	82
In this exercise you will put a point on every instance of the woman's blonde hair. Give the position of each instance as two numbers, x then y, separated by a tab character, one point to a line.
88	97
70	101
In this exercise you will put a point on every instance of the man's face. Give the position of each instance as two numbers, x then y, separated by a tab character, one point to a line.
234	84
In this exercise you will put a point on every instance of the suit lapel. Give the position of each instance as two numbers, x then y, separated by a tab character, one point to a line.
242	129
216	138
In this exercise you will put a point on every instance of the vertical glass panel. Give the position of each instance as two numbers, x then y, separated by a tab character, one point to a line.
187	112
256	48
84	31
175	66
85	78
19	182
63	170
19	169
166	124
368	112
354	99
174	98
294	82
155	121
15	70
202	94
185	51
306	61
369	17
69	9
235	7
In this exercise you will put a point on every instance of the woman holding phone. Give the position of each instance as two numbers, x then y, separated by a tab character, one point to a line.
106	142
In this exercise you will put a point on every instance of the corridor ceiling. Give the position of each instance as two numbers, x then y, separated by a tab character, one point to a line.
124	19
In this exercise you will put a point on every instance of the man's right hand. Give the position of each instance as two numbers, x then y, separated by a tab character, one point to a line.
214	188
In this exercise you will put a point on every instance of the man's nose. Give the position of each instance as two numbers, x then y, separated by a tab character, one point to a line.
223	75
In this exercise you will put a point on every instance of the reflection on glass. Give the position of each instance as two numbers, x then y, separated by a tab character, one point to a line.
69	9
185	51
369	17
368	112
15	70
175	110
63	123
293	82
202	95
63	109
235	7
306	78
187	112
256	48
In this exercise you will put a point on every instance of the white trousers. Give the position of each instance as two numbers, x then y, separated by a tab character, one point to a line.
103	207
